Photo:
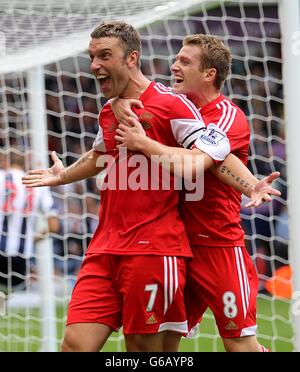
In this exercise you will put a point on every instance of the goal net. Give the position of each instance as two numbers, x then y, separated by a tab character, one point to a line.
47	40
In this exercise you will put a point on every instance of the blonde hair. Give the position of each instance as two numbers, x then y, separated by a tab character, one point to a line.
214	54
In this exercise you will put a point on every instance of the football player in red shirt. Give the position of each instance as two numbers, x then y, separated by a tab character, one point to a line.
221	275
133	274
134	270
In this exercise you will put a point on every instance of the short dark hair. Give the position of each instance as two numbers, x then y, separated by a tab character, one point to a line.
214	54
129	37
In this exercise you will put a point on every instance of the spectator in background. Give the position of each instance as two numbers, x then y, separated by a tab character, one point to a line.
19	209
69	252
78	222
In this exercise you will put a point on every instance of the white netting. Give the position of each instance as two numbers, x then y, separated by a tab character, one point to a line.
73	100
35	32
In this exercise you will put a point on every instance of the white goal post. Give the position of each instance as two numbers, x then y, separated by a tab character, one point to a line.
290	28
46	87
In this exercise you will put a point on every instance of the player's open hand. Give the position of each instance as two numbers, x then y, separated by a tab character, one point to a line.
131	136
122	109
45	177
263	191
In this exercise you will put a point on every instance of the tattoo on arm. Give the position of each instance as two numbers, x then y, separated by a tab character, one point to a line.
248	188
83	159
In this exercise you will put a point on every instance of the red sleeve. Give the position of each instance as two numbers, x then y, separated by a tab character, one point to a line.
186	121
239	132
238	135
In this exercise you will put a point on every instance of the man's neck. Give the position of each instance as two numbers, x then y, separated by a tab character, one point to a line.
205	96
137	86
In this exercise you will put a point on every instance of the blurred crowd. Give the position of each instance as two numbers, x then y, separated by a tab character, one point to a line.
73	102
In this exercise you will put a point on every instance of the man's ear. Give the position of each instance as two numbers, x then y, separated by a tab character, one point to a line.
132	59
210	74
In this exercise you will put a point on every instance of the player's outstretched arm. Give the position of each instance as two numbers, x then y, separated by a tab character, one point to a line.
231	171
263	190
235	174
83	168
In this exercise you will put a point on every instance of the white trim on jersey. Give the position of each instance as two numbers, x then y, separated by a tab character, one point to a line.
165	285
163	87
249	331
163	90
99	145
170	281
176	274
180	327
193	331
214	142
186	131
228	115
243	279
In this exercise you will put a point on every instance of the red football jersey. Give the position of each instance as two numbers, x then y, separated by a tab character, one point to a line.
215	220
145	221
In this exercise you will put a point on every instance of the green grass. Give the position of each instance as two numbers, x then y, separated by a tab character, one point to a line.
20	331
